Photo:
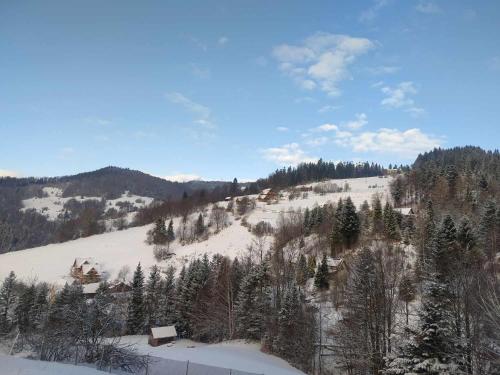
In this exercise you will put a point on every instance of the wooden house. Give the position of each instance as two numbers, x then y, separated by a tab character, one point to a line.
86	270
267	195
405	211
162	335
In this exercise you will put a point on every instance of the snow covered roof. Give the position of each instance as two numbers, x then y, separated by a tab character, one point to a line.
404	210
266	191
86	268
334	262
90	288
162	332
81	261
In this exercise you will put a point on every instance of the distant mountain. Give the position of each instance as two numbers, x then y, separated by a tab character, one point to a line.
110	182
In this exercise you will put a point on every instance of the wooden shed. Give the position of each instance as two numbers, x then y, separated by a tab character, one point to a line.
162	335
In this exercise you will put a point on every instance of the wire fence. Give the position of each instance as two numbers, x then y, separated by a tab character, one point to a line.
164	366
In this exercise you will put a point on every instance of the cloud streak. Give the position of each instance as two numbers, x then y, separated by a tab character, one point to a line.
289	154
322	60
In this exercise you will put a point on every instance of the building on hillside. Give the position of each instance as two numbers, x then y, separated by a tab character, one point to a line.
267	195
162	335
116	289
405	211
336	265
86	270
90	290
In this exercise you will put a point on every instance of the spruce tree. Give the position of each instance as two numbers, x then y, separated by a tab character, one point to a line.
302	271
321	278
152	299
167	299
349	225
135	318
311	265
200	226
24	308
170	232
7	298
378	223
159	233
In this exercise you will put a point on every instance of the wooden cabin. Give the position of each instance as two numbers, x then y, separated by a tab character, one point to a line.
405	211
267	195
162	335
86	270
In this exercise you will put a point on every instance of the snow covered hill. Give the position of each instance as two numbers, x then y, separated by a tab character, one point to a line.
52	205
20	366
51	263
236	355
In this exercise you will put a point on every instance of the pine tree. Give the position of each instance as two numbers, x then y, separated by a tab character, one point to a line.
321	278
253	303
307	222
152	299
170	232
407	293
311	265
167	299
7	298
24	308
302	271
159	233
349	225
390	223
200	226
378	223
488	230
135	318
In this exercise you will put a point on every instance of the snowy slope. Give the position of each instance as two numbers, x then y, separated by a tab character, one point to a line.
52	205
20	366
51	263
236	355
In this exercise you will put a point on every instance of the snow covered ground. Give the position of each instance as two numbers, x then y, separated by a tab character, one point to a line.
53	204
113	250
236	355
20	366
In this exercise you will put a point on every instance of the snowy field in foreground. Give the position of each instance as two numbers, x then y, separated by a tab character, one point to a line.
20	366
236	355
113	250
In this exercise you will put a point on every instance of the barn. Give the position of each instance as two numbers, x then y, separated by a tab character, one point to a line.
162	335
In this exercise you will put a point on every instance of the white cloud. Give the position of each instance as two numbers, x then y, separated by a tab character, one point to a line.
360	121
202	113
371	13
328	108
408	143
223	40
9	173
181	177
326	128
304	99
282	129
317	141
289	154
400	97
383	69
321	61
428	7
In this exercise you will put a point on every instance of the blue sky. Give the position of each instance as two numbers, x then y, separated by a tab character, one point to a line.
219	89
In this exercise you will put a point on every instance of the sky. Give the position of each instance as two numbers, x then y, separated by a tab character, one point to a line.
222	89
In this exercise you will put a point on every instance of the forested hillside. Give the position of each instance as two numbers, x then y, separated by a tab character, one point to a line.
339	276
